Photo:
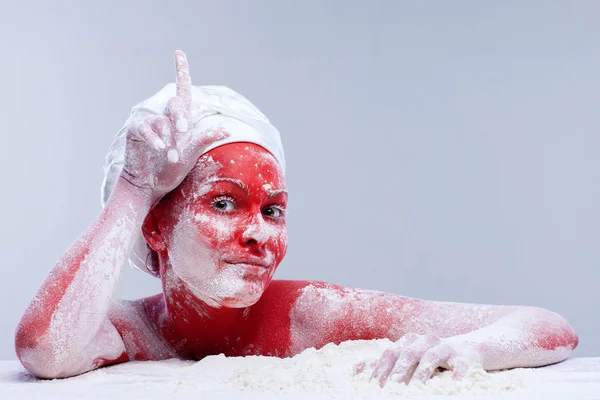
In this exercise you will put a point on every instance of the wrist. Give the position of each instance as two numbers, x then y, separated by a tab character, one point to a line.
125	192
470	349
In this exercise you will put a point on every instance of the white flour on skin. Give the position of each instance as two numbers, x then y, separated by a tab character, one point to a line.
326	306
515	338
260	230
138	333
194	263
200	266
224	231
80	326
188	298
505	336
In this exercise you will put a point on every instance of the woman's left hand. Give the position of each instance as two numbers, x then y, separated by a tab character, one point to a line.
416	357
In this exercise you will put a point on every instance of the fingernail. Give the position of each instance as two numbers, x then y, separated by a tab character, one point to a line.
159	144
182	125
172	156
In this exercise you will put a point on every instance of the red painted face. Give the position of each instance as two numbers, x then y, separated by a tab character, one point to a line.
227	233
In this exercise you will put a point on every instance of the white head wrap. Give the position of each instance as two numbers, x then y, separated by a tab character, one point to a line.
216	107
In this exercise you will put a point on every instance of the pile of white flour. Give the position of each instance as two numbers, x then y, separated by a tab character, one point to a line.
330	370
325	373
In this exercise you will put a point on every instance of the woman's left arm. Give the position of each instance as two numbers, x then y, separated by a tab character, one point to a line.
430	334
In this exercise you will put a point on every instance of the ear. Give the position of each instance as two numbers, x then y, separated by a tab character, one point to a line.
151	231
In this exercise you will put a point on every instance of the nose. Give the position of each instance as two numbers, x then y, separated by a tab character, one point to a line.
256	233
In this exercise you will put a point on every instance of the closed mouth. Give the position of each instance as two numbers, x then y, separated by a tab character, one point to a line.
255	263
253	267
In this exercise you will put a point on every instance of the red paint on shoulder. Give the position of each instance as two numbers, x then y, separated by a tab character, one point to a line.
269	319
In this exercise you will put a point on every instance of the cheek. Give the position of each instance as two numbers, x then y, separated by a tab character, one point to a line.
279	246
215	229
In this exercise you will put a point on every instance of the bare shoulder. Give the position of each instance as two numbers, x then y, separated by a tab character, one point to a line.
132	321
328	313
317	296
287	288
292	293
279	298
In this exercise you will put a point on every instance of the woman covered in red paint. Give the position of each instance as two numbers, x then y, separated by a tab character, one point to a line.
195	194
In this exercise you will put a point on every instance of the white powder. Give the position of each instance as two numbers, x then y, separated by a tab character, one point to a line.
323	374
327	373
173	156
331	371
181	125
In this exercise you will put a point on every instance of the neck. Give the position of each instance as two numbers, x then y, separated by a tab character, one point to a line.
195	328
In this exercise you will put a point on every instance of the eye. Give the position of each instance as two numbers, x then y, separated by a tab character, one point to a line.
273	211
223	204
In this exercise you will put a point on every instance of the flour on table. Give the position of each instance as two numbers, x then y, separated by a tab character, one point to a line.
327	373
330	370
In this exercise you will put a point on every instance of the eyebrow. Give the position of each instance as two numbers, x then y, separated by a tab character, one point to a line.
273	193
242	185
237	182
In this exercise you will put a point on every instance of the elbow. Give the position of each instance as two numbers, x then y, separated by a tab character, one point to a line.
39	357
38	360
39	364
43	364
553	332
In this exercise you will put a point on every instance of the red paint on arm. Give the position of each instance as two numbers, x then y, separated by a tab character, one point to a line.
554	332
364	315
59	335
36	319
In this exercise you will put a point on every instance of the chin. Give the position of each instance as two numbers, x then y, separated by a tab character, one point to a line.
247	296
238	287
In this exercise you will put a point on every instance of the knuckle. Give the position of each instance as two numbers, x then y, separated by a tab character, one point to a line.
431	356
156	121
412	353
145	131
432	339
460	362
401	367
174	104
391	353
410	337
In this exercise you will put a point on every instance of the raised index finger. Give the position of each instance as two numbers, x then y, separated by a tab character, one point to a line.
183	80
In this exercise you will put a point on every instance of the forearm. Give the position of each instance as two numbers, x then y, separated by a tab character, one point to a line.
72	303
527	337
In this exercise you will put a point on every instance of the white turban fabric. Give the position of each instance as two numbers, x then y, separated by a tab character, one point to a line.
216	107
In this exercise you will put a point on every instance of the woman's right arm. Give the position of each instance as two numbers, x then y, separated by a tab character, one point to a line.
65	330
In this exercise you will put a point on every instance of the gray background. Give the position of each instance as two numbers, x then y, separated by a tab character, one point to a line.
442	150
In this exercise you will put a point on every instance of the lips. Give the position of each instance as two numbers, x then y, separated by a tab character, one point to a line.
252	266
255	261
